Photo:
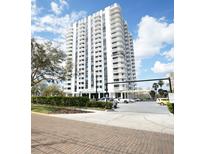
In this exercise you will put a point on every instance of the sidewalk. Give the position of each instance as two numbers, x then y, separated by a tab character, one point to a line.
57	135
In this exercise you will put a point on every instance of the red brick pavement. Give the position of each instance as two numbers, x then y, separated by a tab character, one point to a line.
51	135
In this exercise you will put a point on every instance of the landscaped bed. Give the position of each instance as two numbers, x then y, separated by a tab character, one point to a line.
55	109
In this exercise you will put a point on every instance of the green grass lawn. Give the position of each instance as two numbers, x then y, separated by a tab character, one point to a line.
54	109
43	108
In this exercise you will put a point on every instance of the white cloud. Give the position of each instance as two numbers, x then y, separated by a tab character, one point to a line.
55	8
153	34
58	42
53	23
40	39
56	24
34	9
64	2
58	8
162	68
169	54
138	68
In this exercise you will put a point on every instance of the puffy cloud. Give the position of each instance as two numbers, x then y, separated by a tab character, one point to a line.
58	8
64	2
57	42
55	8
162	68
138	66
169	54
56	24
153	34
35	10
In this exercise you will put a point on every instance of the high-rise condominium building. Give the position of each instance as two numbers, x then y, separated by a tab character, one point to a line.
101	49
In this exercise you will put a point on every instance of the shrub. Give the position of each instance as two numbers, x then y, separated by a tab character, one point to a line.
70	101
106	105
171	107
60	100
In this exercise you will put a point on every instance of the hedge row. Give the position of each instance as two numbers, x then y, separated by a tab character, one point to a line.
171	107
106	105
70	101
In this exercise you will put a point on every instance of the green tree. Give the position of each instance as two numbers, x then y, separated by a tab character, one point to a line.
152	94
161	92
37	89
165	93
161	83
53	90
48	63
155	86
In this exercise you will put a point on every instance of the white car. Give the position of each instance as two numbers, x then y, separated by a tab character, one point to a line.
137	99
104	99
124	100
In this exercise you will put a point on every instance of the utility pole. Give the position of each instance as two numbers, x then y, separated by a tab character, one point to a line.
96	87
170	85
106	90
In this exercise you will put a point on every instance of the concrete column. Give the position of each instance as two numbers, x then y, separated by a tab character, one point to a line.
89	96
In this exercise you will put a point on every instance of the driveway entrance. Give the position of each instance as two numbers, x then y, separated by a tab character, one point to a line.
142	107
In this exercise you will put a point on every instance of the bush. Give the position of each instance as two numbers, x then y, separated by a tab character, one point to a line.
70	101
60	100
106	105
171	107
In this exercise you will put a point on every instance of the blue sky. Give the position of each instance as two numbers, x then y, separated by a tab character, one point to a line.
149	21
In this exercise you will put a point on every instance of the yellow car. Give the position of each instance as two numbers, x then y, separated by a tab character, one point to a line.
162	101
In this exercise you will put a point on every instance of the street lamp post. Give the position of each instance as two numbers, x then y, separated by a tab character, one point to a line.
106	90
96	87
170	85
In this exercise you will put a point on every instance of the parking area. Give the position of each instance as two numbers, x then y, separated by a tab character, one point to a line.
142	107
148	116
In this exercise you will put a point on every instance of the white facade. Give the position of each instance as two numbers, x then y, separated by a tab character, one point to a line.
100	46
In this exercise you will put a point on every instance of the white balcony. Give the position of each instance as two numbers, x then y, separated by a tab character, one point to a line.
118	60
118	45
117	34
115	15
117	29
118	39
119	65
115	9
117	20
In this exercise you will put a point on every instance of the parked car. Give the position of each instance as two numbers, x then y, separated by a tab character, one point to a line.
137	99
124	100
131	100
162	101
104	99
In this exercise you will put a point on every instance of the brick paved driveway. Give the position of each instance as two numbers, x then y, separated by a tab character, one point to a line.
51	135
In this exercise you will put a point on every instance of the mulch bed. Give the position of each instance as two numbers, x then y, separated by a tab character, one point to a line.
69	111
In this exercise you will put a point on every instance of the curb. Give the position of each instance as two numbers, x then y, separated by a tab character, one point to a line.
44	114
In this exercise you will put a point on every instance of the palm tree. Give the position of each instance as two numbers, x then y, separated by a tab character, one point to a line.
155	86
161	92
152	94
160	83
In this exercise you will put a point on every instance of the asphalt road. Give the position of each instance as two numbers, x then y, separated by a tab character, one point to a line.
142	107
